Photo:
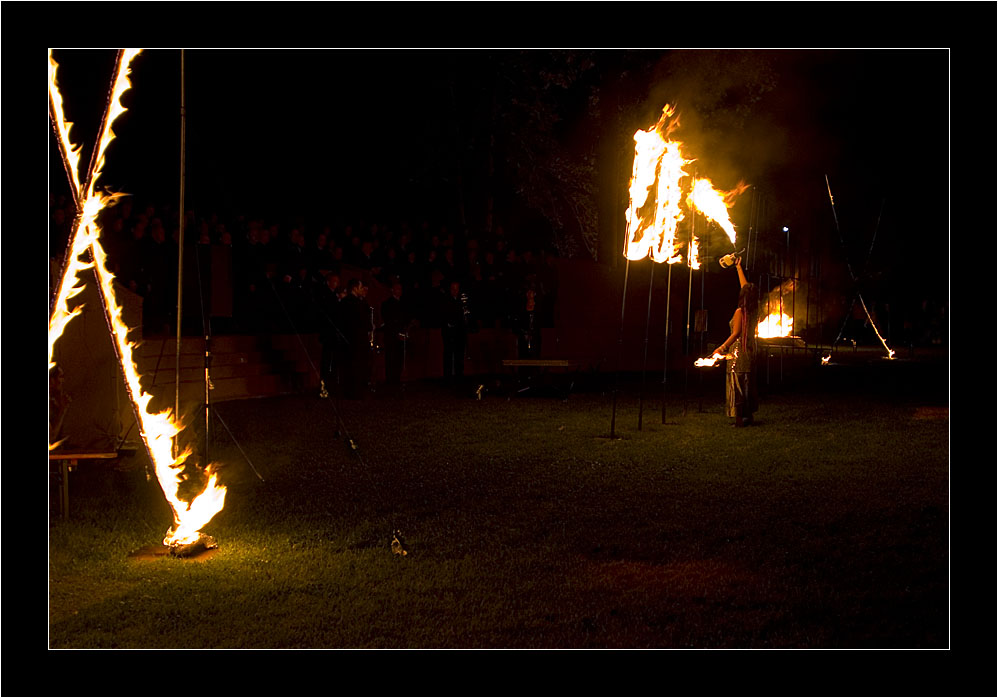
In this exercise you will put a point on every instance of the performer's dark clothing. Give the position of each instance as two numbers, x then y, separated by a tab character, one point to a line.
333	339
356	314
395	316
454	333
528	334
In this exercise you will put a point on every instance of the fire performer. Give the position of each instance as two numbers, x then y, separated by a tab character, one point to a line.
741	392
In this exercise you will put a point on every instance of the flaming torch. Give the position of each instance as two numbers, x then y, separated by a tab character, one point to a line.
655	211
711	360
158	430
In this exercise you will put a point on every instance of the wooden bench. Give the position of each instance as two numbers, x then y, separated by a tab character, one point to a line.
544	365
67	462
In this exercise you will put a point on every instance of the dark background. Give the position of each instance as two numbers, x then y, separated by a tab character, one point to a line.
541	138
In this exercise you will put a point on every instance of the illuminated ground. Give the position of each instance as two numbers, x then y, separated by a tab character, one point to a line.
824	526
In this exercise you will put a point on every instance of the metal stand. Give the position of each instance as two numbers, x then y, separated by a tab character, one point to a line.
665	360
620	342
644	365
852	274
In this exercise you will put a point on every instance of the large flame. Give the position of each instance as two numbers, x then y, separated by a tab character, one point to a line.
656	196
654	212
708	361
776	312
89	205
70	152
714	204
776	324
158	430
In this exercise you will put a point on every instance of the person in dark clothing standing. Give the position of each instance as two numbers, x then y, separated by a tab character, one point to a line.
396	317
528	326
331	335
453	332
358	327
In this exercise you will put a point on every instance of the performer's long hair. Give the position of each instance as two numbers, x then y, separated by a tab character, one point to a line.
748	301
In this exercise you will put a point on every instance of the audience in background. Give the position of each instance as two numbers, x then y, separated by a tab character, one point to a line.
279	268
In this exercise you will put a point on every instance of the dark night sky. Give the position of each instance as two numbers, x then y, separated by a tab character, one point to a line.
362	133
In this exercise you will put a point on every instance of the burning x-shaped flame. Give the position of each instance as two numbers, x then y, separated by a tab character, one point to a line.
158	430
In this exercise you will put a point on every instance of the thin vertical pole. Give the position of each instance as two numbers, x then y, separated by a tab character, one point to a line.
769	293
644	365
180	240
665	360
620	342
702	331
810	283
689	304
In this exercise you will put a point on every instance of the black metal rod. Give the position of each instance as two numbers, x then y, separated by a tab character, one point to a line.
620	343
236	442
180	243
689	305
852	274
644	364
665	360
702	331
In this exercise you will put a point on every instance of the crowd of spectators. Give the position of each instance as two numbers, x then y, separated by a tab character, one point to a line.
281	269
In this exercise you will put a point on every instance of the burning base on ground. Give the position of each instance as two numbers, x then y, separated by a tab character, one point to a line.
204	548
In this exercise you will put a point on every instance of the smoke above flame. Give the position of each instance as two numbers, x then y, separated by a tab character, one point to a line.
656	197
158	430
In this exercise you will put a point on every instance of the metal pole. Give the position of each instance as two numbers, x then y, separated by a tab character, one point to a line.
620	342
180	239
702	331
644	365
665	360
689	302
769	293
810	283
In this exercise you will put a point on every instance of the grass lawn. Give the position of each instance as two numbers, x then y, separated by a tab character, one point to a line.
825	526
